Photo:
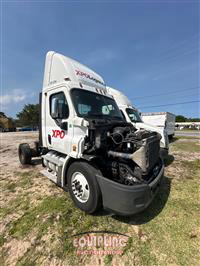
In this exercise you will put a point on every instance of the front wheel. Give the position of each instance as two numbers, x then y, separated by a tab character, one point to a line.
83	186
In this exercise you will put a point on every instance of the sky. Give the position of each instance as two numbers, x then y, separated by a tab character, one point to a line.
147	49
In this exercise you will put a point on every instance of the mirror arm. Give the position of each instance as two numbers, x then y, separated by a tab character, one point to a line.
64	125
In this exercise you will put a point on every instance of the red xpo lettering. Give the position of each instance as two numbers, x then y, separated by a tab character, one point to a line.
58	134
83	74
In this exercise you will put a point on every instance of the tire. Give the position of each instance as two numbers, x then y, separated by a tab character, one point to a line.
91	200
24	153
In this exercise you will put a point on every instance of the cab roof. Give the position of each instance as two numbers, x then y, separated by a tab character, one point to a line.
120	98
59	68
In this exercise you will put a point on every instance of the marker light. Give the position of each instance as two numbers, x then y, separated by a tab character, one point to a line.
74	147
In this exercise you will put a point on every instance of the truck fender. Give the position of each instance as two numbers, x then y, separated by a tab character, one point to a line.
68	161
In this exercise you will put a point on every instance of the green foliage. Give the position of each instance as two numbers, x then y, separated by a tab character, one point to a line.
193	119
181	118
29	116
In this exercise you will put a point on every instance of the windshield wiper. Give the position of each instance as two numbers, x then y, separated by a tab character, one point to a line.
117	117
95	115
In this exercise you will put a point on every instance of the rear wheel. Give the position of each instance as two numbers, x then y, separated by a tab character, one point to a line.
24	152
83	186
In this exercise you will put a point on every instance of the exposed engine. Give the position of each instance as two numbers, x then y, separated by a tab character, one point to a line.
122	152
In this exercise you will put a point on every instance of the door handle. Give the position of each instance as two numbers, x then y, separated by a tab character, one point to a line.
49	139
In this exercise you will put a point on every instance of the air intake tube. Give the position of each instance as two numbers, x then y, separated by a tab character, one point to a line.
139	157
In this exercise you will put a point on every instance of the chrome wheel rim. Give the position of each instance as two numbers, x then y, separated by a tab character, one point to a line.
80	187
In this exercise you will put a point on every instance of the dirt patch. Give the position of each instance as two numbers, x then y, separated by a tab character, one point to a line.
16	249
9	143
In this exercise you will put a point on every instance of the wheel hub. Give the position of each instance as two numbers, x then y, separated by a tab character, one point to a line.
80	187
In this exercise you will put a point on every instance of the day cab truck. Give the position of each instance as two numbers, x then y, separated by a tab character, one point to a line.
132	115
163	120
86	145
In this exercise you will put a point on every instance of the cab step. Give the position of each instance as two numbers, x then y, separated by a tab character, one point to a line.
51	176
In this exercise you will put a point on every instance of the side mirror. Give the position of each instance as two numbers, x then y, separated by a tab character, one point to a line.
64	126
55	108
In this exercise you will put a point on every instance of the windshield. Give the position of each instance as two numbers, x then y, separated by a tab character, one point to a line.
133	115
89	104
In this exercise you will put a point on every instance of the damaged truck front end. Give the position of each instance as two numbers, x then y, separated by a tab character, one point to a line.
129	162
87	147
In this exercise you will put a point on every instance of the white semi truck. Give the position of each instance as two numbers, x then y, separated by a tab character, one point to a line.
86	145
163	120
132	115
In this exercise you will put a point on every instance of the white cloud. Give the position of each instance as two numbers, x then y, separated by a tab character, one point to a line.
15	96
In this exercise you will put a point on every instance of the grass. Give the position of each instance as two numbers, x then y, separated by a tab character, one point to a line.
11	187
166	224
18	203
32	218
185	137
186	146
2	240
108	259
25	180
188	130
192	168
165	233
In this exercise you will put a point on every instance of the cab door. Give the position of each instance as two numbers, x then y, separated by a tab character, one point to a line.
58	132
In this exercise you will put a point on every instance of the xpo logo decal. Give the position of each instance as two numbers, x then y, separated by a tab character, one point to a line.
58	134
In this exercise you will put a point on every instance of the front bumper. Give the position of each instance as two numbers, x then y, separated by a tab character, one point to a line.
128	200
164	152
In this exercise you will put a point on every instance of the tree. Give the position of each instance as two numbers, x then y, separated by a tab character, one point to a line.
194	119
181	118
29	116
2	114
